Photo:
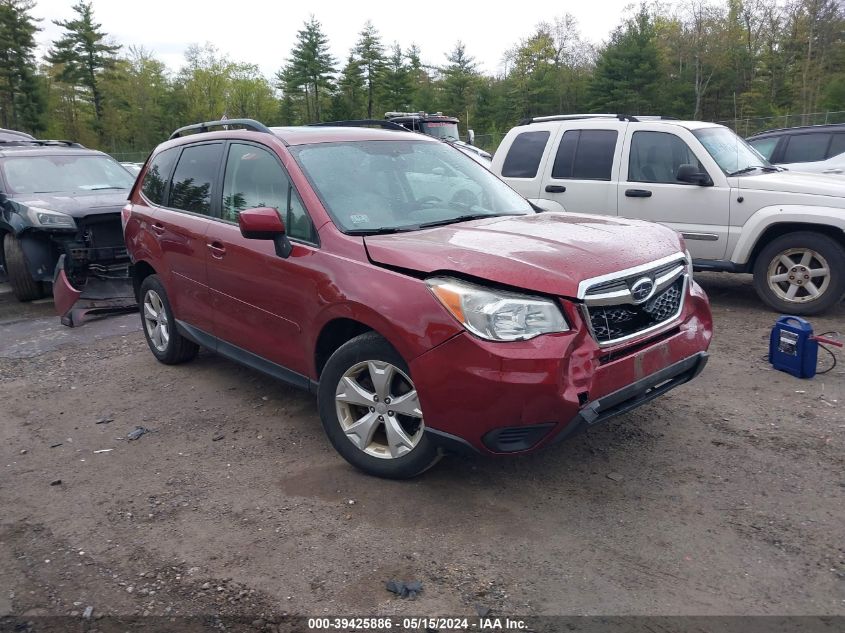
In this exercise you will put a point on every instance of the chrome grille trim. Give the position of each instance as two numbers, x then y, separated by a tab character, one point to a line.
615	290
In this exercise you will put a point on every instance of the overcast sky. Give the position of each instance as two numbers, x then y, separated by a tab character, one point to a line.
263	31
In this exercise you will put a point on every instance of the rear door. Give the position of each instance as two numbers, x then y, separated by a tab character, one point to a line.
581	173
180	226
261	300
648	187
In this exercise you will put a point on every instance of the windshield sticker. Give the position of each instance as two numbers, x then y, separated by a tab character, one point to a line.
359	218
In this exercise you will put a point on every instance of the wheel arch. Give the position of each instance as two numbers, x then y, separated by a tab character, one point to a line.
779	229
140	271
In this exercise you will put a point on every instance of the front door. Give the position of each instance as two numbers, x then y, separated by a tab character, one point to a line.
648	189
261	300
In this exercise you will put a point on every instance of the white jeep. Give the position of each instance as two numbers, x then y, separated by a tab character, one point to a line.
737	212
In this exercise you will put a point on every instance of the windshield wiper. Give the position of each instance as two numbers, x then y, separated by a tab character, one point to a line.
745	170
104	187
463	218
382	230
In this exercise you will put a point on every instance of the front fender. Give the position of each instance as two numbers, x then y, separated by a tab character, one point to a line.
783	214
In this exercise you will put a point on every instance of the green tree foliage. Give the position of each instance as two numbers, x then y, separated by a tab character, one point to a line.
81	55
22	99
309	72
627	73
350	100
396	92
460	82
370	51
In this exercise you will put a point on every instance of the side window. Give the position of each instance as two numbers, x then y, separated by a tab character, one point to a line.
254	178
806	148
158	173
837	145
194	177
585	155
524	156
766	146
657	157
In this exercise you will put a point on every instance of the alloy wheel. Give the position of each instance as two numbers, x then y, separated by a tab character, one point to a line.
799	275
156	321
379	410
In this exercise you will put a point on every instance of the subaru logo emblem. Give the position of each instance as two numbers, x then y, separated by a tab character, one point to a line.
642	290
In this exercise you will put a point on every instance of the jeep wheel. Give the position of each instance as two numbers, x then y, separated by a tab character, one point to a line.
801	273
24	287
371	412
165	342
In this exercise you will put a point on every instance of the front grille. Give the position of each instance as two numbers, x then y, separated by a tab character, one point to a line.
619	321
613	307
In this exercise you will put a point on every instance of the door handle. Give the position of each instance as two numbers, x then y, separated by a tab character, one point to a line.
833	170
638	193
217	250
158	229
555	188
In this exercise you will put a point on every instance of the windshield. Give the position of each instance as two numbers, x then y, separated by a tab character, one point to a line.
64	173
441	129
380	186
731	152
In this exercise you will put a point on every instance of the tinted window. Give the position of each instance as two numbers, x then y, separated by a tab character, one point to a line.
585	155
837	145
524	156
155	180
765	146
805	148
254	178
657	157
194	178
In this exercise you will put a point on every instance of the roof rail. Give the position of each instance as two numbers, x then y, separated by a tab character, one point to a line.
574	117
41	143
387	125
249	124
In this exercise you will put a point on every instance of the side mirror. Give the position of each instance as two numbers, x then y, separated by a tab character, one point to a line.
471	137
264	223
691	175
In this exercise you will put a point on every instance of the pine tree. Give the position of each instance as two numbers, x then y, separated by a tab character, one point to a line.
627	74
370	51
22	100
349	100
460	82
396	87
311	67
82	55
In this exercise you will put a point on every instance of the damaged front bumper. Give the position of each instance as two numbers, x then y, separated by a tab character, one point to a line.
91	283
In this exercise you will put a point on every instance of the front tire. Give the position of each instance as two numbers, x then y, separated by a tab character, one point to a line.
159	325
370	410
24	287
801	273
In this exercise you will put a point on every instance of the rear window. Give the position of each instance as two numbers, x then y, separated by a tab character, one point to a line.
805	148
194	178
523	159
585	155
155	180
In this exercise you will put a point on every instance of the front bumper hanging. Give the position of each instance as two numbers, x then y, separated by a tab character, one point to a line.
105	292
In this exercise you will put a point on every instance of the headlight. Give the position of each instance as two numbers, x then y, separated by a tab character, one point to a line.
497	315
50	219
689	263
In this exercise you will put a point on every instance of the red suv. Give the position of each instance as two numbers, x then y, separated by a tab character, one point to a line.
430	307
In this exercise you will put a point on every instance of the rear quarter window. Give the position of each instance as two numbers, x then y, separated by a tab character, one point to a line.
158	173
524	155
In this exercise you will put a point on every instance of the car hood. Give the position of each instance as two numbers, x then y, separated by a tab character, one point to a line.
794	182
547	252
77	204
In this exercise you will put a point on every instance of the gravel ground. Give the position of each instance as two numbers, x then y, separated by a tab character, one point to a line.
725	497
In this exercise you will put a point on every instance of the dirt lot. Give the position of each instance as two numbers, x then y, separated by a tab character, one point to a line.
725	497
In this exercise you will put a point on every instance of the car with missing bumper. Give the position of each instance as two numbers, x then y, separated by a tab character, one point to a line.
424	324
60	223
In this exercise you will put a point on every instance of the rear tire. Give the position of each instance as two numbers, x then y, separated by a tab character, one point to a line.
801	273
24	287
159	325
370	410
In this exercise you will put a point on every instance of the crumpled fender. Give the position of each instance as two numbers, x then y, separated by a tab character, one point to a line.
779	214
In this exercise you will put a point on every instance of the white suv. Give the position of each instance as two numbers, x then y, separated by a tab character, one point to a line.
737	212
